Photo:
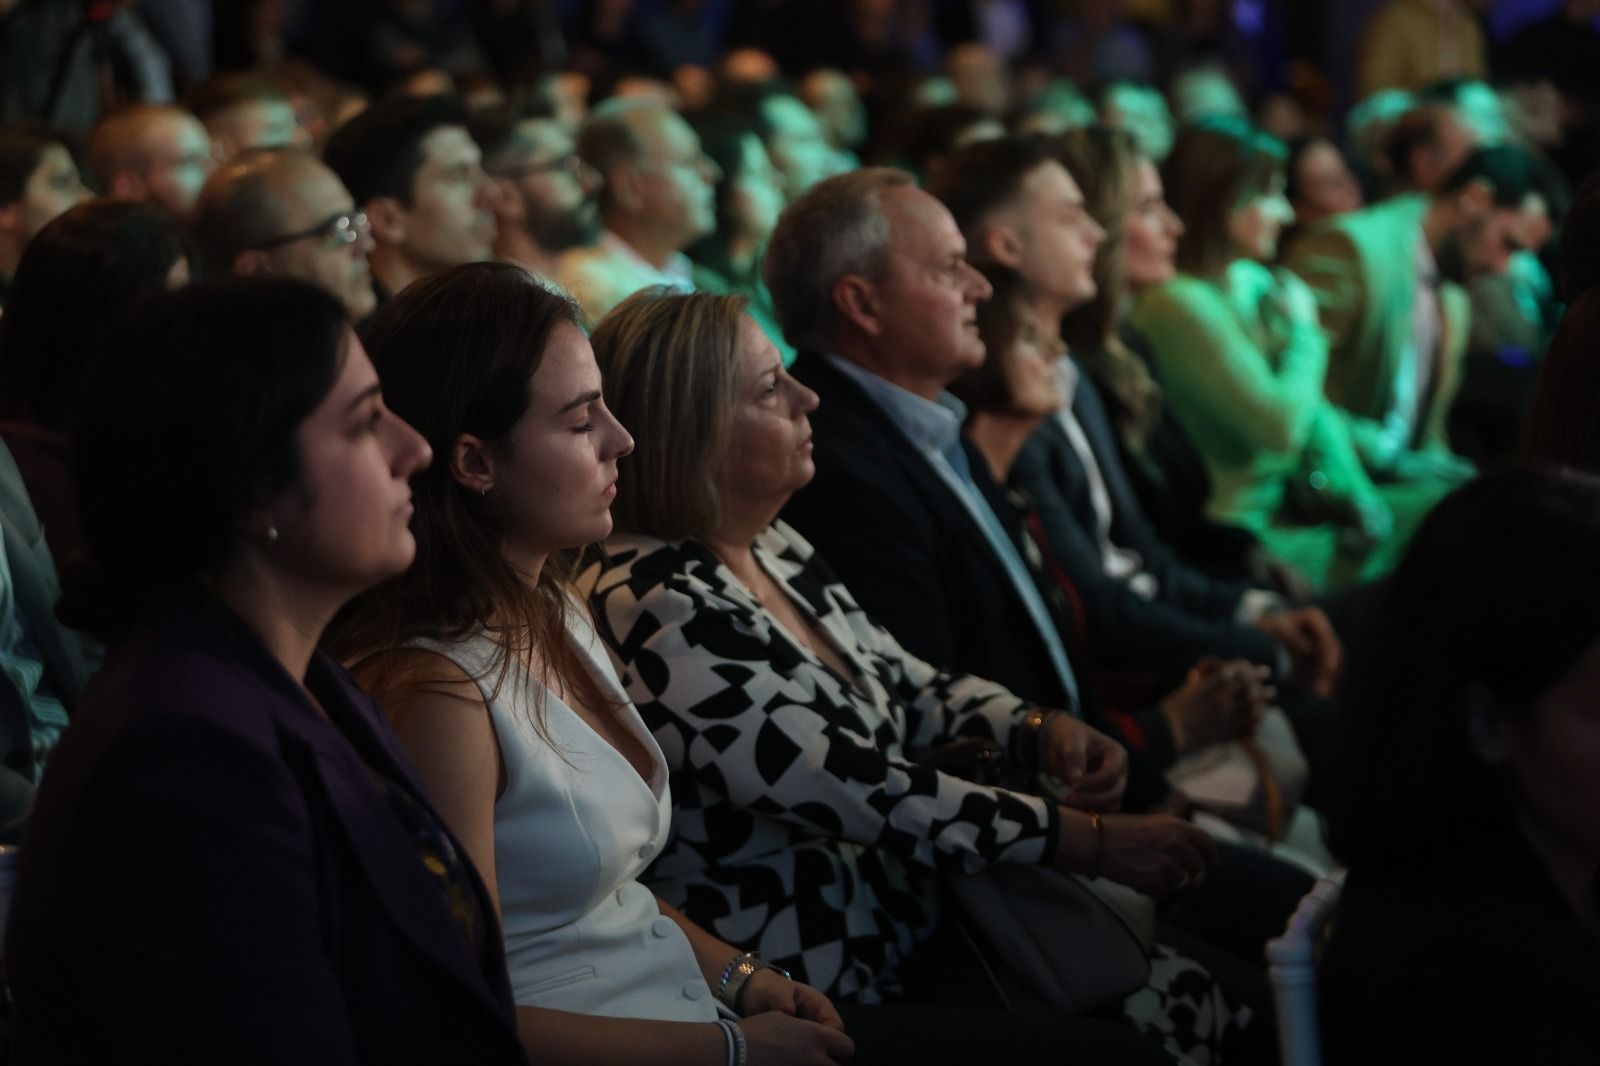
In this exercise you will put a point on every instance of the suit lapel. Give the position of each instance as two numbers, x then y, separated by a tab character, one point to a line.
873	425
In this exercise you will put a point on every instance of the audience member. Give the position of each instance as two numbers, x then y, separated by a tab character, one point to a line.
1475	717
1412	43
243	111
417	175
44	666
295	889
282	212
1122	191
38	181
494	680
1425	146
833	98
1143	112
151	152
116	249
1396	329
549	197
872	286
1318	181
1242	360
658	198
795	141
750	197
1018	207
697	557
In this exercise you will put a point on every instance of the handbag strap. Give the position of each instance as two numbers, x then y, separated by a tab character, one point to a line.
1271	790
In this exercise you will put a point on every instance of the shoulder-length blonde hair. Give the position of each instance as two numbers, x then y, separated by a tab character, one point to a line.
670	365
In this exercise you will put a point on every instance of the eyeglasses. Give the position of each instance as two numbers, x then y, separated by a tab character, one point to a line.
336	232
568	164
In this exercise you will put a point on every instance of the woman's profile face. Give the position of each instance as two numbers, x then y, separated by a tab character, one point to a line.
345	524
1150	232
1327	187
1031	369
555	473
1254	226
769	444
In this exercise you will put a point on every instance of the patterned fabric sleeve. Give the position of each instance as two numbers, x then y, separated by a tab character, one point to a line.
752	718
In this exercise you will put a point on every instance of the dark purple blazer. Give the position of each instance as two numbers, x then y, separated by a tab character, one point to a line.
212	875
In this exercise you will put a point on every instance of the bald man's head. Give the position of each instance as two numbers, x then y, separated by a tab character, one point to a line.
285	213
153	153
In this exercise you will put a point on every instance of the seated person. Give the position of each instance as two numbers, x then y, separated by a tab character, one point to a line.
1397	325
518	724
1122	191
657	199
38	182
154	153
792	721
417	175
1476	718
229	824
517	718
1243	359
119	250
1158	615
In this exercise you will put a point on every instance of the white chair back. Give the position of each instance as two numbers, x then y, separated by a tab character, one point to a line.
1292	966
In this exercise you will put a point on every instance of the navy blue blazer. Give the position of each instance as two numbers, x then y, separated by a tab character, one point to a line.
212	874
1192	614
919	565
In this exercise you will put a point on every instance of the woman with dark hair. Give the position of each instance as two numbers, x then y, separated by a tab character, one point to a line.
75	278
793	724
1469	809
519	726
1242	356
1318	182
228	825
1563	426
749	200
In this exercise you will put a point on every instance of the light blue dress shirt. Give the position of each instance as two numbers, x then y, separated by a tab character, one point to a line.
934	430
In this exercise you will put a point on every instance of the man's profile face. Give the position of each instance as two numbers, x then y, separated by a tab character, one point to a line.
929	294
557	192
308	195
177	159
450	220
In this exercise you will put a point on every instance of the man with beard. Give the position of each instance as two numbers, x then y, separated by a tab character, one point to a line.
1396	328
549	197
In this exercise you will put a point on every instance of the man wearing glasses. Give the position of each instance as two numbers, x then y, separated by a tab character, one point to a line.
548	200
282	212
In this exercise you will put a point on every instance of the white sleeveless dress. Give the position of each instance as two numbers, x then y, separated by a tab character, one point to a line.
572	833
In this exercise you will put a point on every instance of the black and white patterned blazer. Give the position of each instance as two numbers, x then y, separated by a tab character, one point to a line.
802	829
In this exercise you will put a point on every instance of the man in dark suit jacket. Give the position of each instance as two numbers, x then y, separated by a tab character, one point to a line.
871	283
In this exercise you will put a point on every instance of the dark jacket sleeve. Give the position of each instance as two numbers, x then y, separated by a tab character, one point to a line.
1125	630
193	887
